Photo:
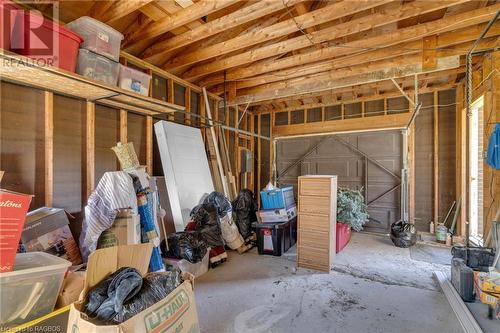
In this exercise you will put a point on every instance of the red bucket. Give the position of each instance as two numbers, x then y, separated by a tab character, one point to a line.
45	41
343	236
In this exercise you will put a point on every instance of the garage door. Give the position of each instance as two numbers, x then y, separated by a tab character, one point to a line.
368	161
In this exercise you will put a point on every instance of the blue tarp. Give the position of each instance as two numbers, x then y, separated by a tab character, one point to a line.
493	155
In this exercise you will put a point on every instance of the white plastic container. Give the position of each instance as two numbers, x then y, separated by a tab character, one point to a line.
30	290
134	80
97	67
97	36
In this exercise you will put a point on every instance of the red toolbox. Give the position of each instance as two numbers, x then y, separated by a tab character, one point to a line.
343	236
45	41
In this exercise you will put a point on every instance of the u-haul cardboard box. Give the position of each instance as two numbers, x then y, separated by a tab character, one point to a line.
175	314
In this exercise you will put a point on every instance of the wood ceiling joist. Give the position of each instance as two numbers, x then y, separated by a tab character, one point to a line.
116	10
385	40
402	67
378	19
182	17
331	12
449	43
239	17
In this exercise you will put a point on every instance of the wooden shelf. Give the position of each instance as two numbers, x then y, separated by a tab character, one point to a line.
24	71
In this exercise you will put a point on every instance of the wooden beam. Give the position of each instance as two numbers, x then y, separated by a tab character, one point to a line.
234	19
170	96
409	34
259	157
49	148
231	93
435	158
149	145
89	148
335	32
461	155
331	80
123	126
187	99
449	43
118	9
429	55
284	28
182	17
394	121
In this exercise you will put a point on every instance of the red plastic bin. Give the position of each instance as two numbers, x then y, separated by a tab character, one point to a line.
7	15
343	236
45	41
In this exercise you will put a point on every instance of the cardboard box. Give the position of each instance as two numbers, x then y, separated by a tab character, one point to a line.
126	230
47	230
72	287
276	215
176	313
13	209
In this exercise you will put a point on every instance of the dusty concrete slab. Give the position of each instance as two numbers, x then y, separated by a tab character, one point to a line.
252	293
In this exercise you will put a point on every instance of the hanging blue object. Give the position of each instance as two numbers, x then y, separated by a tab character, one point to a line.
493	154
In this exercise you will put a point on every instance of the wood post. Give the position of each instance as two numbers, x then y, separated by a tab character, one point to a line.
461	155
435	158
123	126
187	100
149	144
89	148
49	147
170	96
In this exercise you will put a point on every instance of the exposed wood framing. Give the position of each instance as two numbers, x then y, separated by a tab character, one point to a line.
89	148
435	159
149	144
461	155
49	148
123	126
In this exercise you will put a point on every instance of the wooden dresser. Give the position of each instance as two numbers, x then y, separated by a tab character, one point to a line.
317	219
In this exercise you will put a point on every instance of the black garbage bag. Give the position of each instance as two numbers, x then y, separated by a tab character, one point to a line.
155	287
244	208
207	223
220	202
403	234
189	245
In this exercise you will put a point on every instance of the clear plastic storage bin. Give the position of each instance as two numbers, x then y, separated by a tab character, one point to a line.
30	290
134	80
97	36
97	67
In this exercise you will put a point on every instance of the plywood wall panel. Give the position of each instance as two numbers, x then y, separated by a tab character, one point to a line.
137	134
107	134
69	150
22	141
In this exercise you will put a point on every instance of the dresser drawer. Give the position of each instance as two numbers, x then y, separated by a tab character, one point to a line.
313	257
313	222
315	186
315	205
314	239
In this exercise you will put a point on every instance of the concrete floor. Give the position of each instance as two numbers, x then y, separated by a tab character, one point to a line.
374	287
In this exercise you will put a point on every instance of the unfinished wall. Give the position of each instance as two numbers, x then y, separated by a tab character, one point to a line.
107	134
21	141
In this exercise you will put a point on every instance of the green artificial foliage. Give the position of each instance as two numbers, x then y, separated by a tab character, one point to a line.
351	208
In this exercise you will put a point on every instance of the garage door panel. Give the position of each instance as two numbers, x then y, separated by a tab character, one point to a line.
375	190
387	144
334	158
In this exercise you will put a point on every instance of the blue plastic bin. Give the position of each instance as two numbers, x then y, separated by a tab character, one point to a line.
277	198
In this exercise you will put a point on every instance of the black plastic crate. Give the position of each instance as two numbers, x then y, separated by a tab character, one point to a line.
275	238
477	258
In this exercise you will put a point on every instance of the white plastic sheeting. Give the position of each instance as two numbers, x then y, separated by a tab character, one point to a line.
185	166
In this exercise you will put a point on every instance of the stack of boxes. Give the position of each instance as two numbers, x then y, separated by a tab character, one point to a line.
277	221
99	55
487	288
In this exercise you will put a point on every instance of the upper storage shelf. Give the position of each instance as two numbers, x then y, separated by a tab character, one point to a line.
24	71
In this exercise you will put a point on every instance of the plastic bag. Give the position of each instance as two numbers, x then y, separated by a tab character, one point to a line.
403	234
244	208
220	201
207	223
155	287
188	245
